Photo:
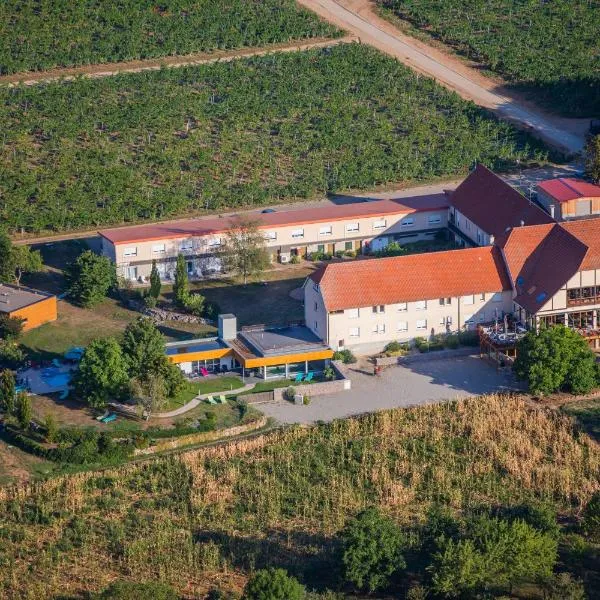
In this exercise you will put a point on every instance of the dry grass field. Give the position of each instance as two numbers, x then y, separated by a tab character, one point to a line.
209	516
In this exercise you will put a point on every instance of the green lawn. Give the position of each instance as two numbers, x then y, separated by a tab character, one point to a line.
216	385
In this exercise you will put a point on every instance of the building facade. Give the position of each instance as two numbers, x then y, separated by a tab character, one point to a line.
345	228
32	306
569	198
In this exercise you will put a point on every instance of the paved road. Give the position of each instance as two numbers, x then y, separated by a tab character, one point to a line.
419	383
357	17
155	64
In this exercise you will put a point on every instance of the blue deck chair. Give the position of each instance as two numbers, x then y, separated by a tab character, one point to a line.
309	377
299	378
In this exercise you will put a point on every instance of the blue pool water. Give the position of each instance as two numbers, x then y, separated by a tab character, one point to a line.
58	380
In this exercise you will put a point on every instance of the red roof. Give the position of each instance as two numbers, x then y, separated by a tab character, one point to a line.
325	214
540	260
564	189
588	232
409	278
494	205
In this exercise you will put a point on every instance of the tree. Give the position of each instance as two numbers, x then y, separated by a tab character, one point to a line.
143	347
181	284
273	584
102	373
372	550
51	427
7	391
493	554
155	284
89	278
149	392
592	158
556	358
23	410
128	590
15	261
11	328
244	251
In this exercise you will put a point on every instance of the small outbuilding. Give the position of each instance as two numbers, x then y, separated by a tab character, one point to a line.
33	306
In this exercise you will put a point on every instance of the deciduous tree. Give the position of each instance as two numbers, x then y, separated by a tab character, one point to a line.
273	584
15	261
102	373
143	347
244	251
556	358
372	550
89	278
592	158
23	410
10	327
7	391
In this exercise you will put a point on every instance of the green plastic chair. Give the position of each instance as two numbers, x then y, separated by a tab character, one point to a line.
222	399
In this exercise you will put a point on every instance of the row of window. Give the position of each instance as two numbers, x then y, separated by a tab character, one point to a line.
420	325
354	313
184	246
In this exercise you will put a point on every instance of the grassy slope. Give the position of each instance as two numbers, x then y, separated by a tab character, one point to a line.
236	134
37	35
211	515
547	48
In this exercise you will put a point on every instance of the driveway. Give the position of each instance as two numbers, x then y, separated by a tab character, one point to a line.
419	383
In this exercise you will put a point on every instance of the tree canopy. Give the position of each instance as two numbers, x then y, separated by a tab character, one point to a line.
372	550
89	278
556	358
15	260
592	158
243	250
102	373
273	584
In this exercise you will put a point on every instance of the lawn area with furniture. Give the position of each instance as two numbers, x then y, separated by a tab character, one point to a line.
211	385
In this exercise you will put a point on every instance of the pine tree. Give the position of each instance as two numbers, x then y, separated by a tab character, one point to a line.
7	391
155	284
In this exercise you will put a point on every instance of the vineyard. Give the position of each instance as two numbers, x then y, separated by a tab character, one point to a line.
550	49
281	127
35	36
209	516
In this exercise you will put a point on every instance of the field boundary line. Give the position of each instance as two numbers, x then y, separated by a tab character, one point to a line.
97	71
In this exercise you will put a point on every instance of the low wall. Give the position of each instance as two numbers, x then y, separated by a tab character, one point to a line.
386	361
258	397
319	388
200	437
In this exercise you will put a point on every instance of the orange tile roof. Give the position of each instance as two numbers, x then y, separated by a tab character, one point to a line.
494	205
540	260
206	226
588	232
427	276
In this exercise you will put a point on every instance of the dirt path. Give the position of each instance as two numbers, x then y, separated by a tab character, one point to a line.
154	64
359	18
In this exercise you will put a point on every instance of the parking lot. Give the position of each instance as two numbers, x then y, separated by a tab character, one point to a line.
398	386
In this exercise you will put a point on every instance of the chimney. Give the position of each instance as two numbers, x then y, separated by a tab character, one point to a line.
552	210
492	240
227	328
522	223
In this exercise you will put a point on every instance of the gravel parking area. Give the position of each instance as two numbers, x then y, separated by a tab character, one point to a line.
418	383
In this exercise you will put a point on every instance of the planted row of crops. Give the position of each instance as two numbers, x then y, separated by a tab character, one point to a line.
551	48
213	515
36	35
236	134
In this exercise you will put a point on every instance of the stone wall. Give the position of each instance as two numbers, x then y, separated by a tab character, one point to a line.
160	315
320	388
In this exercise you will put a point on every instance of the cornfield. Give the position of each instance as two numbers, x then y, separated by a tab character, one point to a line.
208	516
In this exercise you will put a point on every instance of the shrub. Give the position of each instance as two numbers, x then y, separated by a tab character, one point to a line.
194	303
563	586
23	410
11	328
11	355
306	400
345	356
273	584
393	347
7	391
452	341
51	427
339	254
150	301
211	310
290	393
350	253
328	373
372	550
591	517
468	338
295	259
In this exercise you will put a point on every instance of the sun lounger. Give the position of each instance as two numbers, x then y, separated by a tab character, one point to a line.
211	400
64	394
309	377
299	378
110	418
102	417
222	399
203	372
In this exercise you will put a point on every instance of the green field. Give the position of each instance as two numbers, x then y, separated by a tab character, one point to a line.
35	36
286	126
550	49
210	516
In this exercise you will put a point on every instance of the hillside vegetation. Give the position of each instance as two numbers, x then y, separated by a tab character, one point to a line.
236	134
210	516
35	36
548	48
